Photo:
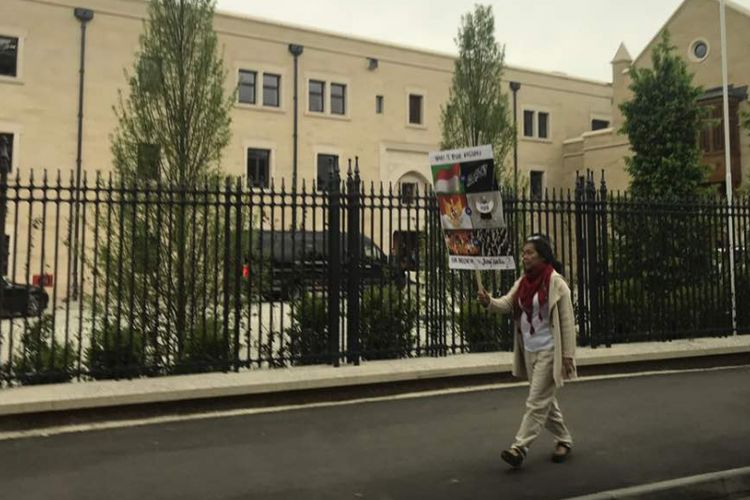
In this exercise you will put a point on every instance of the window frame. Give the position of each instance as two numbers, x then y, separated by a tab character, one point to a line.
421	96
600	120
277	76
144	171
253	72
318	154
14	76
379	104
547	134
532	195
530	122
12	145
322	95
251	183
13	32
342	97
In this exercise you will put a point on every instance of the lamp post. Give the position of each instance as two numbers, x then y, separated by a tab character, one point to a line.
514	87
728	161
296	51
83	16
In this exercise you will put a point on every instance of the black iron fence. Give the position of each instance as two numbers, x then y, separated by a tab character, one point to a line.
163	280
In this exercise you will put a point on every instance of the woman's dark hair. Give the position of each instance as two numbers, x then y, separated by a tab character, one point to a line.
543	247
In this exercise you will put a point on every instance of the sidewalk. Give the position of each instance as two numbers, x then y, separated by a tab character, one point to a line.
103	394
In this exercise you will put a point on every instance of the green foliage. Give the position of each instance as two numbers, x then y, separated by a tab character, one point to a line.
663	121
175	119
207	349
477	109
43	360
162	258
308	334
481	331
659	245
388	317
114	354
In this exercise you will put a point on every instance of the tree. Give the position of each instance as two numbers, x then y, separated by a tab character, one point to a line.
175	121
660	250
663	121
477	110
165	253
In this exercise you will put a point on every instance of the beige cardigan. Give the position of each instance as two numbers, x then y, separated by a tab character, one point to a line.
561	324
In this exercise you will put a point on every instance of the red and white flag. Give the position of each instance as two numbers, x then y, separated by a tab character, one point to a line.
448	179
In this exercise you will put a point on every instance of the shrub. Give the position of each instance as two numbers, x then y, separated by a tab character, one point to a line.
308	335
482	331
388	317
43	360
113	356
205	349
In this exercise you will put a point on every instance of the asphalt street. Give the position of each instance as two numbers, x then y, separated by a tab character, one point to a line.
627	431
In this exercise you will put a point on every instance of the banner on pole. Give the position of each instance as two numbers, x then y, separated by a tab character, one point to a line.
471	209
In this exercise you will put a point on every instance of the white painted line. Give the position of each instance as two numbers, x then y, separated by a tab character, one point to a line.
99	426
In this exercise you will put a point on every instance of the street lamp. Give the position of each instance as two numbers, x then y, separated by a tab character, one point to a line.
514	87
728	159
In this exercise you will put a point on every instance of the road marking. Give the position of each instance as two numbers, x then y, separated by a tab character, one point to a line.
168	419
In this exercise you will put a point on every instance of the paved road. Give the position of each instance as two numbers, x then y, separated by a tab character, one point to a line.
628	431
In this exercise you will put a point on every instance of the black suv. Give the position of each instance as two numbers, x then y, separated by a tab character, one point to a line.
21	300
294	261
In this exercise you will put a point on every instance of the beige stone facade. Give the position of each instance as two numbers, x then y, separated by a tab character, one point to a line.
40	104
695	32
372	95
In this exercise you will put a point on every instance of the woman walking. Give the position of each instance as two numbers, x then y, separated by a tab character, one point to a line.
543	346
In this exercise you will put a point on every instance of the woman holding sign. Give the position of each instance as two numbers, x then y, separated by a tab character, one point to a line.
544	345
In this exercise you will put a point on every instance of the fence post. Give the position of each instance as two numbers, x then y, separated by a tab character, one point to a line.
604	302
593	261
334	260
354	254
582	268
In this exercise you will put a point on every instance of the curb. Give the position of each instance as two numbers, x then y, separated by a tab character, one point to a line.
389	375
733	483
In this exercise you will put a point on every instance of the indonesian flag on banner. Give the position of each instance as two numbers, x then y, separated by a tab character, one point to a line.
448	179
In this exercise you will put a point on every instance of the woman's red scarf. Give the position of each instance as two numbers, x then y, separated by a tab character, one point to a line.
535	281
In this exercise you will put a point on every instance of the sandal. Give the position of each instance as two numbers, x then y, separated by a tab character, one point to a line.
562	450
513	456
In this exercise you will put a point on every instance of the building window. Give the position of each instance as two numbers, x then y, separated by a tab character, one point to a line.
597	124
325	163
271	90
150	73
6	140
338	99
8	56
536	184
408	192
247	84
415	109
379	104
528	124
405	249
317	96
543	129
699	50
149	156
258	168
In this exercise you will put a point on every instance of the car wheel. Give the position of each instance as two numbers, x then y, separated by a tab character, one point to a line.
33	307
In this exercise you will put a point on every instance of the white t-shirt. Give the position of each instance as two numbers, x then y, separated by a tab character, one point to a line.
542	339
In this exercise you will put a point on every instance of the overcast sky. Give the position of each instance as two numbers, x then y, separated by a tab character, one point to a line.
578	37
